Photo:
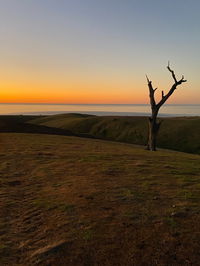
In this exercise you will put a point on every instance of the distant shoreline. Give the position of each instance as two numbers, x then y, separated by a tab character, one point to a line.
99	113
168	110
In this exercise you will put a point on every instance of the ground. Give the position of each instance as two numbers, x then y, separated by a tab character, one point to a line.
74	201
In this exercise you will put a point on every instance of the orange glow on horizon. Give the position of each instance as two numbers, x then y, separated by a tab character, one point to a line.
68	98
83	91
80	95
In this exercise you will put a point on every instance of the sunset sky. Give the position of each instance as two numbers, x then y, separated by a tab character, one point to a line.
97	51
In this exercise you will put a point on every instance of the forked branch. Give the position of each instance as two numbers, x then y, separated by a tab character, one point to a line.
174	76
164	97
173	88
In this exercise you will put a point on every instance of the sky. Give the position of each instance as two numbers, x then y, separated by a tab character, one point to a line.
98	51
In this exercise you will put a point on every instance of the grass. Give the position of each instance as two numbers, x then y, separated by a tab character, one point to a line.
87	235
69	208
96	202
171	222
180	133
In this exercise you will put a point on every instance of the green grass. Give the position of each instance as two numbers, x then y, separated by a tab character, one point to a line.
180	134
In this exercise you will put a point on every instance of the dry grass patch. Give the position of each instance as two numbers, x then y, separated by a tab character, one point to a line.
72	201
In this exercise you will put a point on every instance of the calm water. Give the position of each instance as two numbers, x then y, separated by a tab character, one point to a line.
98	109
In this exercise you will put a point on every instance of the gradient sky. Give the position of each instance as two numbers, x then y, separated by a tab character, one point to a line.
97	51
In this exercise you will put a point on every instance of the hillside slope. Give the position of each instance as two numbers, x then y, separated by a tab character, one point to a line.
74	201
180	133
20	124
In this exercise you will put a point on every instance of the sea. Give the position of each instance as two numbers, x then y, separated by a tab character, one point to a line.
168	110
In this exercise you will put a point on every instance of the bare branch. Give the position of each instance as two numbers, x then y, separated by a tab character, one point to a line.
147	78
181	81
173	75
151	93
150	83
173	88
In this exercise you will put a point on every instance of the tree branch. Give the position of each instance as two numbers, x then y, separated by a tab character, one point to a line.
173	88
151	93
173	75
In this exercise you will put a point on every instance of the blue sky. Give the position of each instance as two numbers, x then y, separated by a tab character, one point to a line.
73	45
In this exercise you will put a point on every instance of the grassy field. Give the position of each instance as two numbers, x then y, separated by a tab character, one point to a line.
182	134
73	201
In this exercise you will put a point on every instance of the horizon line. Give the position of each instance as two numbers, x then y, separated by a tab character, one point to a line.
34	103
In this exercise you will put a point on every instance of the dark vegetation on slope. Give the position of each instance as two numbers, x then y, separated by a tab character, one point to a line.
19	124
180	133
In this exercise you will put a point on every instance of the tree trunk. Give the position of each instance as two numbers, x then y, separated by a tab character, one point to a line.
153	131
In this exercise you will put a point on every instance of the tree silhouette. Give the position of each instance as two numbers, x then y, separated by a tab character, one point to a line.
154	125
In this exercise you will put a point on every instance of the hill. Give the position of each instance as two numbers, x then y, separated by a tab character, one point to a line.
20	124
180	133
74	201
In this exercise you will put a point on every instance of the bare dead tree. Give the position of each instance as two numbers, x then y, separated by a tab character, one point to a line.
154	124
